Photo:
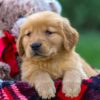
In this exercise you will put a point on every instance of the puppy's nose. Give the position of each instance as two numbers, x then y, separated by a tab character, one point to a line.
36	46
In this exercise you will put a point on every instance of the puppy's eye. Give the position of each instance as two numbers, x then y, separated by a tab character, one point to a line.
48	32
28	33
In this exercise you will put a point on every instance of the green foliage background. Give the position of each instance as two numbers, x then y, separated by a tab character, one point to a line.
82	13
85	17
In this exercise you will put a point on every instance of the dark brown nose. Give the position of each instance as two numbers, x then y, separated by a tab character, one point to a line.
36	46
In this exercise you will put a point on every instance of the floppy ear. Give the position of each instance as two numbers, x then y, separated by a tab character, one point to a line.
20	48
70	35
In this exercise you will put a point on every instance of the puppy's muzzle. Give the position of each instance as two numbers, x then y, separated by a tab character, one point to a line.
36	46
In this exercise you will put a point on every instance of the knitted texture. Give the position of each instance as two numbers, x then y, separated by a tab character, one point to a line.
12	10
4	71
17	90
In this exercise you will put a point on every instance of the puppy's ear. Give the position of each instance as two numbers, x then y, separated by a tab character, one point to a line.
70	35
20	48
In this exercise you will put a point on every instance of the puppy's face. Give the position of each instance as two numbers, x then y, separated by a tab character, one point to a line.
45	35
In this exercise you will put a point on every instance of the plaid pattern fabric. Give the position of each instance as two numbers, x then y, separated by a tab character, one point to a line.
17	90
12	90
93	90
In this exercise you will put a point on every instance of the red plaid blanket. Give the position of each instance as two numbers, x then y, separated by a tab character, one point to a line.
17	90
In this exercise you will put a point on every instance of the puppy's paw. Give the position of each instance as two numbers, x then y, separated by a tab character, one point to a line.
71	88
46	90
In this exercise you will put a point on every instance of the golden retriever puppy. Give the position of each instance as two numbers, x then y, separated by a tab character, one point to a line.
47	46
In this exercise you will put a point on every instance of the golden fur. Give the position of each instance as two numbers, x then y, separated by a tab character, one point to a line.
56	57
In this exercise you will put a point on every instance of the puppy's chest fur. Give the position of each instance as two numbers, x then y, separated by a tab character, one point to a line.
56	67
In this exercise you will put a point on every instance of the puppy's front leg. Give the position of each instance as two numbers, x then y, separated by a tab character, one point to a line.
44	85
72	83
